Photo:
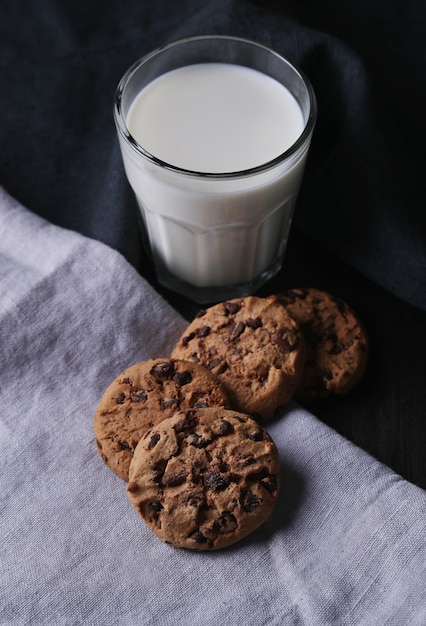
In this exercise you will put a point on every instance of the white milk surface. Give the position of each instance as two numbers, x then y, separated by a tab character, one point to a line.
215	118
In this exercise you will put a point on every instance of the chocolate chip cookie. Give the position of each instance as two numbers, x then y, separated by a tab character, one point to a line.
254	347
337	343
143	395
204	478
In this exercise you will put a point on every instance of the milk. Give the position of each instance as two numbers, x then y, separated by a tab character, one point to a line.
211	218
215	117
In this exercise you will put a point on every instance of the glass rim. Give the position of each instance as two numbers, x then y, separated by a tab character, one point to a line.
268	165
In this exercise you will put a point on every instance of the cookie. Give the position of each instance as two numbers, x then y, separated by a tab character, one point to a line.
204	478
253	346
337	343
142	396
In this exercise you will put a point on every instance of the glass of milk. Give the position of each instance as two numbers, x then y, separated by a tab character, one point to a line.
214	132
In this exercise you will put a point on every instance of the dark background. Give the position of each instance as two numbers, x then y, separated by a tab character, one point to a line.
360	225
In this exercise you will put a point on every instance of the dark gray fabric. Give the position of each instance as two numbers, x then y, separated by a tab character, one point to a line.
363	197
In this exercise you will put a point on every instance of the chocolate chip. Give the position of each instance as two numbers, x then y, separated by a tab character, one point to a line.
173	481
138	395
255	476
231	308
198	441
187	339
164	371
182	378
256	435
156	505
202	404
215	482
222	466
166	404
280	341
225	428
198	537
254	323
249	501
214	363
186	424
124	445
158	471
237	330
248	460
270	483
284	338
201	313
203	331
155	438
121	398
225	522
157	475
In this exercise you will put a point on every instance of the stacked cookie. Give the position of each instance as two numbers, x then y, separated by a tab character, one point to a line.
187	432
336	341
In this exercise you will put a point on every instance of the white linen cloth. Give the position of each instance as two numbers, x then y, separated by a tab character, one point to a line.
346	544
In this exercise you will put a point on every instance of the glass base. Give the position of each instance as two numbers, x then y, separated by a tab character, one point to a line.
212	295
